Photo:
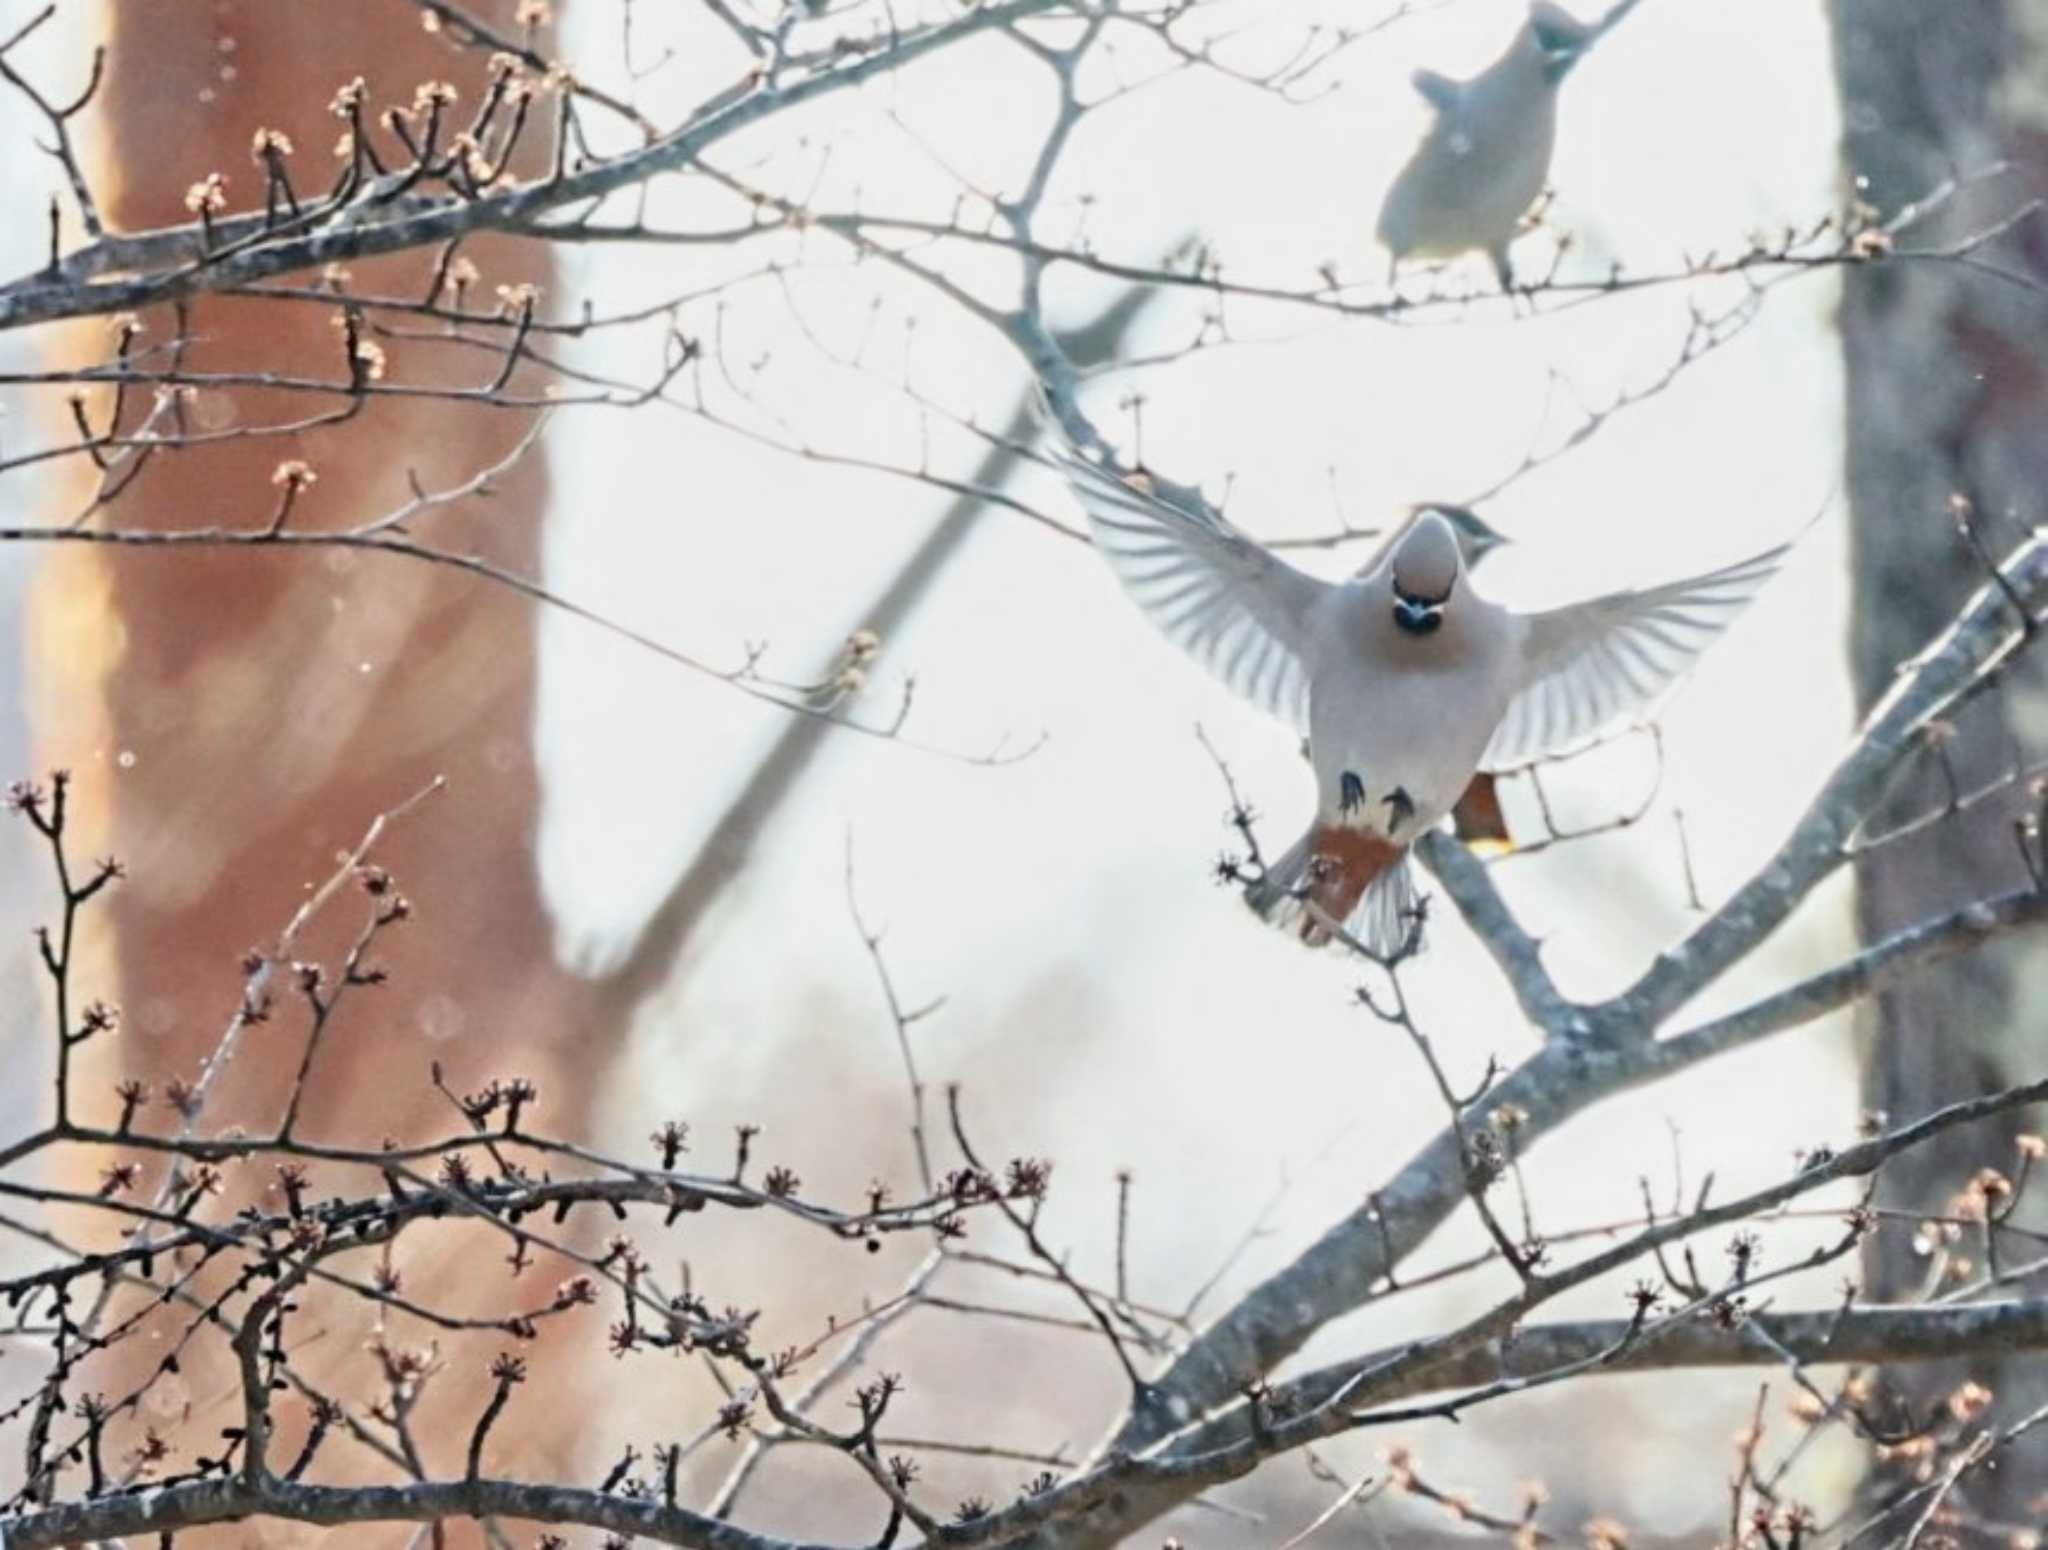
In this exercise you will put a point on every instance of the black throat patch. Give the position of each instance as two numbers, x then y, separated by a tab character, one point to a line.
1416	615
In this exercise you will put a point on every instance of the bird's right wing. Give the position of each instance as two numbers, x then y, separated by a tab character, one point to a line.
1230	603
1592	665
1439	91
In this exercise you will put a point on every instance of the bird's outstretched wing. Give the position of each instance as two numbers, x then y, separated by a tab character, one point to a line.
1592	664
1230	603
1439	91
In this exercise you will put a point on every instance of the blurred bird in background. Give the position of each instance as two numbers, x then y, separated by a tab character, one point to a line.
1486	158
1411	688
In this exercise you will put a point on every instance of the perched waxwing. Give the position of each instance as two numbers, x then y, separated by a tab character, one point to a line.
1410	687
1486	157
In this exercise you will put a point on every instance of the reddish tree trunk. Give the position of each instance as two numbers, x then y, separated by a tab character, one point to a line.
235	718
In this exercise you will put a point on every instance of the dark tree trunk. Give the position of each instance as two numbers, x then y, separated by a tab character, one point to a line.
1947	410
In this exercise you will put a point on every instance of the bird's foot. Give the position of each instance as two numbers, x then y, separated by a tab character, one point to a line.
1400	808
1350	793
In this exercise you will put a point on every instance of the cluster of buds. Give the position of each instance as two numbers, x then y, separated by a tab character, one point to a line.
208	197
849	673
517	300
430	97
366	357
404	1368
462	277
511	1094
969	1186
349	99
672	1140
1027	1178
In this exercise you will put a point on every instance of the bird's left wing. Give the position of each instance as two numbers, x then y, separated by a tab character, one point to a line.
1590	665
1233	605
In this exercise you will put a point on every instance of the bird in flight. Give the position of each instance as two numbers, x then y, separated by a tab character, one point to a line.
1485	160
1410	688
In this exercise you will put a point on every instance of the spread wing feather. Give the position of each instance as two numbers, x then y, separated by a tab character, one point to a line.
1439	91
1230	603
1592	665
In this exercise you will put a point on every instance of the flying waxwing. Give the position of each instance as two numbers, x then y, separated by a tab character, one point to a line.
1410	687
1486	157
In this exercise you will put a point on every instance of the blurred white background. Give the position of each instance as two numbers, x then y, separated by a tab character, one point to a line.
1106	1005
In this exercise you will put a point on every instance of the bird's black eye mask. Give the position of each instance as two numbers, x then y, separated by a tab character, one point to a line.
1560	53
1418	615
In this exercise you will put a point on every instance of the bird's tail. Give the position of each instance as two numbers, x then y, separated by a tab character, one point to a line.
1359	879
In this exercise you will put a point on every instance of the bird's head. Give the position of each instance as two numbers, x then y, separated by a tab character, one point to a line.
1477	538
1424	571
1561	38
